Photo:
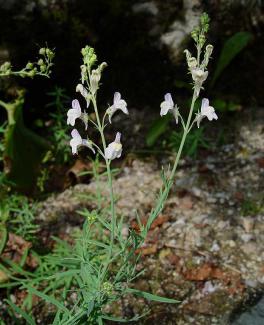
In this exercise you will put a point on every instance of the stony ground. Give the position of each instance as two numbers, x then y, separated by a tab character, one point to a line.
206	248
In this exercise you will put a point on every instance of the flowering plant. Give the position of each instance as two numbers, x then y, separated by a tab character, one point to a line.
100	267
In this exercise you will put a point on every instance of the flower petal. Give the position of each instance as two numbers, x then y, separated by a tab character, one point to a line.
121	104
165	107
168	99
205	103
117	96
76	105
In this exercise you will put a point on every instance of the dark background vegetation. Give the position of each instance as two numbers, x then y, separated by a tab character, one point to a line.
139	66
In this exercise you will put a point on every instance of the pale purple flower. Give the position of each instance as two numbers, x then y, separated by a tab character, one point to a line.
118	103
77	141
114	149
166	105
206	111
74	113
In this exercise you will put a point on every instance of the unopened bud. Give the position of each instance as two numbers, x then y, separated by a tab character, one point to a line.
5	66
42	51
192	63
94	81
202	40
29	66
40	62
209	50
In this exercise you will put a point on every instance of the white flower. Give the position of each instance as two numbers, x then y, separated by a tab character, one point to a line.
199	76
167	105
206	111
114	149
77	141
118	103
74	113
82	90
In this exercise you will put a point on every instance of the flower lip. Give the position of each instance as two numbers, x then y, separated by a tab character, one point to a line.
75	141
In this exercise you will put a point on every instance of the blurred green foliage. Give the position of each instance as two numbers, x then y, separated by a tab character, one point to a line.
231	48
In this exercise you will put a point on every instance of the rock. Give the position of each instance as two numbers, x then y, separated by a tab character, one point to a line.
248	224
180	29
250	248
246	237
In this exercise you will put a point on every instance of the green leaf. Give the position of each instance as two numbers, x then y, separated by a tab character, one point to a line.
21	312
157	128
48	299
232	47
121	320
3	238
150	296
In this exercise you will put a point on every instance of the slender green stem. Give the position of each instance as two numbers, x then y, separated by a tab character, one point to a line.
110	185
168	186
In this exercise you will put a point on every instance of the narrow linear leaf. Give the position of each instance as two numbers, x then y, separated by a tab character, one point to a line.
150	296
232	47
21	312
157	128
47	298
3	238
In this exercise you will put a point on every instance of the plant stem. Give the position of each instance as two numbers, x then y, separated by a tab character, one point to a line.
164	195
110	185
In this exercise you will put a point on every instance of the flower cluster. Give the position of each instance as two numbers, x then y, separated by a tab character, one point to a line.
42	67
92	77
199	73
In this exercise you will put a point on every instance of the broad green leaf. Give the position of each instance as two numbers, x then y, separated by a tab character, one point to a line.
232	47
24	149
157	128
150	296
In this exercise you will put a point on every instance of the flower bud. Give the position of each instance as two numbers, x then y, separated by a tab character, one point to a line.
40	62
29	66
202	40
94	81
192	63
42	51
50	53
83	73
43	68
5	66
209	50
